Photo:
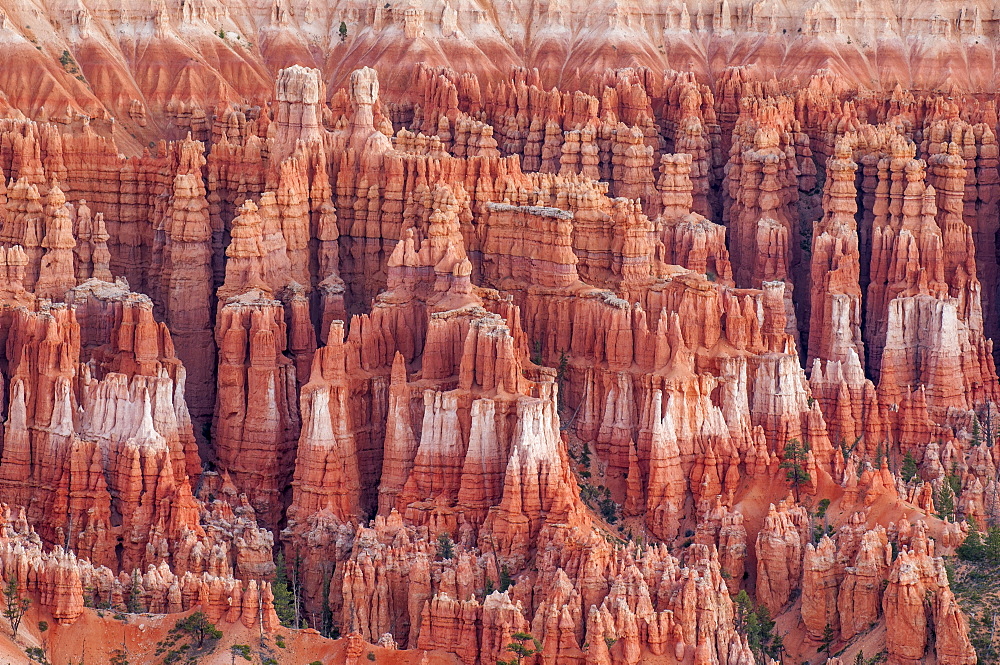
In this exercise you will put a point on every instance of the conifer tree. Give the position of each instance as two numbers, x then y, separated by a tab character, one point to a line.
794	463
284	600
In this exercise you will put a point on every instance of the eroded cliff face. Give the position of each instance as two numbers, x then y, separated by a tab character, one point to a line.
610	356
143	71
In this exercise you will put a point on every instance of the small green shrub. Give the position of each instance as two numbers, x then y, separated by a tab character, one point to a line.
36	654
242	650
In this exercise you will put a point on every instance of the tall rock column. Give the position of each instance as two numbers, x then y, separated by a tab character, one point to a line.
947	172
187	281
538	486
762	186
256	414
779	556
24	226
689	239
400	442
858	601
326	466
907	255
667	486
819	588
56	274
298	91
835	316
256	420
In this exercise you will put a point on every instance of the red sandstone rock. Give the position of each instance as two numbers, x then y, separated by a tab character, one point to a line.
56	273
186	276
835	321
819	588
327	453
486	308
256	421
779	557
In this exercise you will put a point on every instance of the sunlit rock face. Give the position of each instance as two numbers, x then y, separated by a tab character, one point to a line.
606	324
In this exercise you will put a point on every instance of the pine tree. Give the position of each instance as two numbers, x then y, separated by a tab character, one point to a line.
561	370
445	546
909	469
326	615
284	602
988	425
796	455
880	455
777	648
972	548
992	545
15	604
134	602
755	622
944	501
826	642
520	648
198	626
955	480
506	581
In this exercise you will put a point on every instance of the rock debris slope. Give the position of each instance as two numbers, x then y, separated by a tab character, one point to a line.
653	317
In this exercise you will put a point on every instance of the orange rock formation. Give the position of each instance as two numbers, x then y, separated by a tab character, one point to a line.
578	352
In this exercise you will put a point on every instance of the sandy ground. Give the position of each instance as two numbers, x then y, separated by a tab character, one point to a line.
95	636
